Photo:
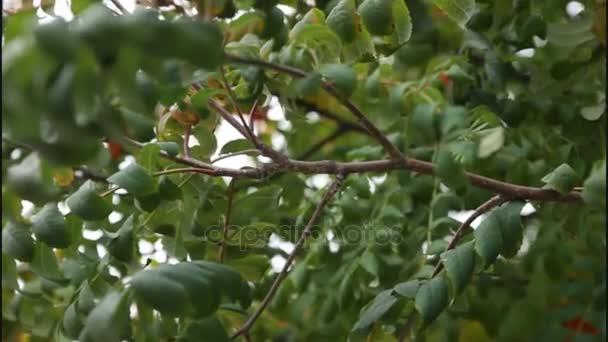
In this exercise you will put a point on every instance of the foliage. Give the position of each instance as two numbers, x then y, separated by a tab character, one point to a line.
116	226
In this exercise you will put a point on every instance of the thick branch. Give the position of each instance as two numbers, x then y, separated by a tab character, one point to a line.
333	188
513	191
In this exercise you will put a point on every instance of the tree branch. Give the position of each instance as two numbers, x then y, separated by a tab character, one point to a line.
392	150
513	191
485	207
333	188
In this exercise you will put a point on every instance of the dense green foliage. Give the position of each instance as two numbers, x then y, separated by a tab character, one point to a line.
95	112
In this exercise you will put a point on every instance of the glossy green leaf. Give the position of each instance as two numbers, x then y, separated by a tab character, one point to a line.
108	321
376	309
17	242
45	263
49	226
459	264
87	204
135	179
236	146
450	172
342	77
488	239
31	179
511	228
562	179
458	10
209	327
407	289
308	85
594	191
432	299
122	245
343	21
9	272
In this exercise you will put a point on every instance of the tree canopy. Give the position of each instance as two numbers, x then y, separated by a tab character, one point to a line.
433	170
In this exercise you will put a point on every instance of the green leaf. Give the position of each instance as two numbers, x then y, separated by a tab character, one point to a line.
164	294
342	77
570	33
148	157
17	242
432	299
488	239
369	262
377	16
594	191
87	204
376	309
178	289
562	179
459	264
252	267
49	226
31	179
509	216
450	172
236	146
210	327
71	323
308	85
402	22
109	320
458	10
45	263
122	246
491	141
168	190
422	124
9	272
343	20
207	142
172	148
135	179
407	289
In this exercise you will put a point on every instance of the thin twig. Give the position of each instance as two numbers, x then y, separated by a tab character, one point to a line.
120	7
90	174
264	149
239	153
392	150
222	250
333	188
182	170
406	327
109	191
234	103
485	207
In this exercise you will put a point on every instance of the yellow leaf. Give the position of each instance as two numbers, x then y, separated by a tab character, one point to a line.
63	176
